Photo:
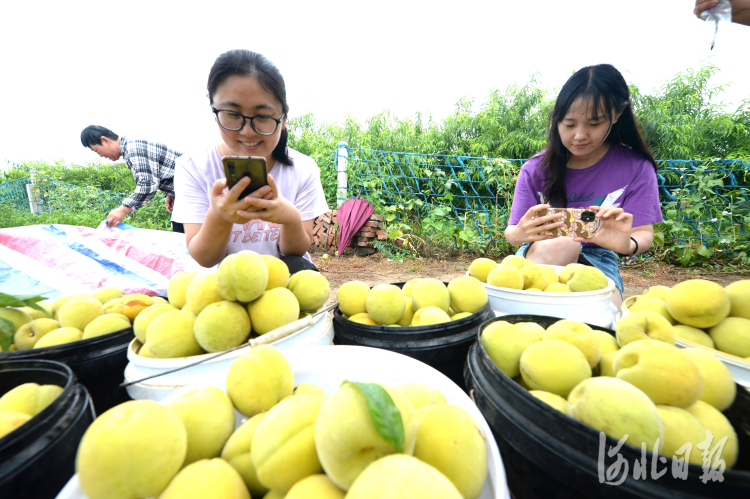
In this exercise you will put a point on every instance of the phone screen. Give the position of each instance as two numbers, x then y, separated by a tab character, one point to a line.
254	167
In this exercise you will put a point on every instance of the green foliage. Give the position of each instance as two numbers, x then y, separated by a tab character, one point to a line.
443	193
10	217
708	218
685	119
80	195
152	215
82	206
6	327
7	331
424	197
26	300
61	197
392	251
114	177
509	124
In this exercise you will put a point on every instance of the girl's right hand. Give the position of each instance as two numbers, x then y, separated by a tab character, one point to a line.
530	227
226	205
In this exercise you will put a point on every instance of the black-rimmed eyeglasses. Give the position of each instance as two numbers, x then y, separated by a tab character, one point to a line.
232	120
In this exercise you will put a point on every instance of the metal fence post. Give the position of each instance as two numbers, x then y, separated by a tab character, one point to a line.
341	165
34	194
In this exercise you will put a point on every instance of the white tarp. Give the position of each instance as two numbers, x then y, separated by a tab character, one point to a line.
52	260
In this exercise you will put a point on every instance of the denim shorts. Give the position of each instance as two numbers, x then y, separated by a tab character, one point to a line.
603	259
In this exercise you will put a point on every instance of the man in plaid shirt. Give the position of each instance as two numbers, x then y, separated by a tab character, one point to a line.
151	163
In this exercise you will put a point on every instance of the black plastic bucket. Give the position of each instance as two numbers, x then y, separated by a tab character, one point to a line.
550	455
38	458
442	346
98	363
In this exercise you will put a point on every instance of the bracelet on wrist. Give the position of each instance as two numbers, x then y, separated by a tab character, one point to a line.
633	253
630	259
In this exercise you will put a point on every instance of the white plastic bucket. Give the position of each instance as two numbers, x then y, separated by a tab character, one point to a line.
738	367
591	307
319	334
330	366
625	307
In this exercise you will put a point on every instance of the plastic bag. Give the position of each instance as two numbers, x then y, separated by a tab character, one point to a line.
722	11
104	228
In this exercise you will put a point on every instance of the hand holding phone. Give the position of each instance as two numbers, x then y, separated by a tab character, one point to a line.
579	222
254	167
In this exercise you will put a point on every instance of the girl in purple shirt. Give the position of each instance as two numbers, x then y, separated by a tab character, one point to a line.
595	158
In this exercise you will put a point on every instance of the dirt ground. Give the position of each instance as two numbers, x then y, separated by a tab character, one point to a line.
377	269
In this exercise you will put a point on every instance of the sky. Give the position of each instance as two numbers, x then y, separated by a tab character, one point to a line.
140	68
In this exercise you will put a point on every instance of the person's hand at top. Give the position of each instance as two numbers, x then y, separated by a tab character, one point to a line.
614	229
701	5
530	227
740	9
169	202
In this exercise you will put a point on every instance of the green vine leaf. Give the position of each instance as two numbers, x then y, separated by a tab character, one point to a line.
28	300
686	257
7	330
704	252
384	413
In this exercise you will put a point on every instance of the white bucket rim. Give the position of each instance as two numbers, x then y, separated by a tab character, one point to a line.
154	363
567	296
727	357
739	367
321	360
143	387
737	362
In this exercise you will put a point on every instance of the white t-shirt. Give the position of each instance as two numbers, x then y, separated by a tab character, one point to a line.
196	173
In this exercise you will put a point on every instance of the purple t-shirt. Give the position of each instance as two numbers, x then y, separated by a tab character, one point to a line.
622	178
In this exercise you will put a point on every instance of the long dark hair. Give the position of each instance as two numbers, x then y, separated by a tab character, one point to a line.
605	89
246	63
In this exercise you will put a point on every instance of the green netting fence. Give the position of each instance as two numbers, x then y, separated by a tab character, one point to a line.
703	201
54	195
14	193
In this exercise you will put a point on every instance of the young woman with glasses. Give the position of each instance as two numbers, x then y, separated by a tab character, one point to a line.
248	99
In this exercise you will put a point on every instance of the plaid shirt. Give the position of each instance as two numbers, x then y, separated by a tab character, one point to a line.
152	165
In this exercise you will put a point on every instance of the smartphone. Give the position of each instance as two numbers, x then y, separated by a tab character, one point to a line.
579	222
236	167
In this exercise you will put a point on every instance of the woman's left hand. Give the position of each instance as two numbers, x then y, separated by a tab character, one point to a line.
614	230
270	208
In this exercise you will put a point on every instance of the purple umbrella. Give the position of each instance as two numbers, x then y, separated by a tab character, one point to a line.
352	216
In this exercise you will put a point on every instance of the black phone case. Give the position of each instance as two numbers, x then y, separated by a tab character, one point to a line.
255	182
254	186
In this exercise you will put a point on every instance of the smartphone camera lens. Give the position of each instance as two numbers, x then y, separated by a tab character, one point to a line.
230	166
588	216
